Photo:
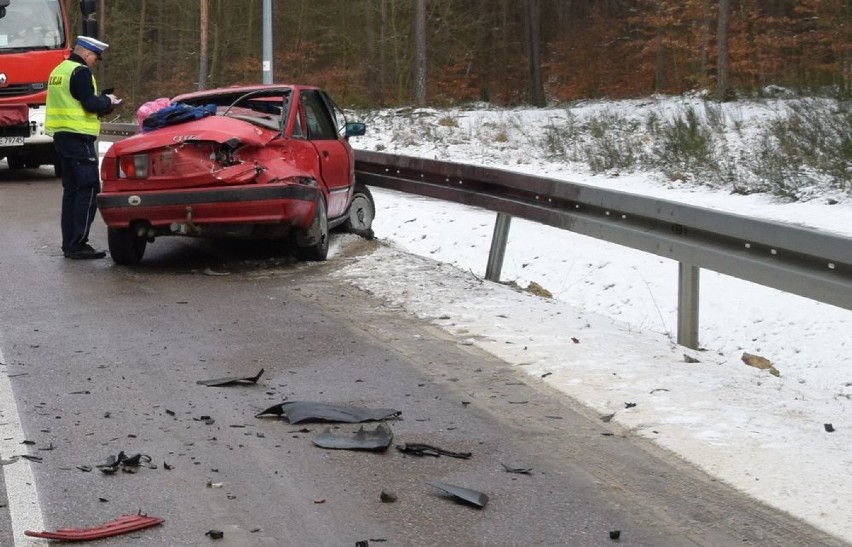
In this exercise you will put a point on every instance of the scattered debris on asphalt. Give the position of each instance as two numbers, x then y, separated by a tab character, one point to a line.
465	494
11	460
829	428
629	405
215	534
122	525
615	535
302	411
606	418
420	449
378	439
124	462
690	359
518	470
387	496
232	380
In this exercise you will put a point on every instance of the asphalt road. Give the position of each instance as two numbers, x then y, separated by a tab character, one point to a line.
103	359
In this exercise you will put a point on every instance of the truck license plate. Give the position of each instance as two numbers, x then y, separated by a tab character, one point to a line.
11	141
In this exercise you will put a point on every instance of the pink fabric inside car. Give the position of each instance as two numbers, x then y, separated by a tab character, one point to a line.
149	108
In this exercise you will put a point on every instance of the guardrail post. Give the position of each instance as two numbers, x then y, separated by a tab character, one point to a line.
498	247
687	305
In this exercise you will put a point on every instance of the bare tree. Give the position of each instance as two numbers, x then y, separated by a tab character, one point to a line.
420	53
724	55
203	57
532	33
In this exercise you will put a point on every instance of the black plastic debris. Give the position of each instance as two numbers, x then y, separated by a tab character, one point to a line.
465	494
615	535
829	428
301	411
124	462
518	470
387	496
629	405
37	459
215	534
606	418
378	439
231	380
420	449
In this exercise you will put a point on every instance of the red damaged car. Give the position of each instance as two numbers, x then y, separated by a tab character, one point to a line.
259	162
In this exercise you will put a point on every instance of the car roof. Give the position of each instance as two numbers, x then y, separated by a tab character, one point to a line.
241	89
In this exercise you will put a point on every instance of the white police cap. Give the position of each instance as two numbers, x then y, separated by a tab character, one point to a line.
92	44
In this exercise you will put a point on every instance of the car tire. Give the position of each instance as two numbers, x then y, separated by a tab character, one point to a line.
125	247
15	161
361	212
312	244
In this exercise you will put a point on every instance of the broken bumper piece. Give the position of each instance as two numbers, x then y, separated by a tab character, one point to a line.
303	411
121	525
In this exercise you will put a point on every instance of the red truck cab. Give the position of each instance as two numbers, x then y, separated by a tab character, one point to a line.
34	38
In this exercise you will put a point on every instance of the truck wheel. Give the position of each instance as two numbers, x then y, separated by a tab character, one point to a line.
15	161
312	244
362	211
125	247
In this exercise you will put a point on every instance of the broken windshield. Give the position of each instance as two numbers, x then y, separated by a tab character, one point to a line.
32	24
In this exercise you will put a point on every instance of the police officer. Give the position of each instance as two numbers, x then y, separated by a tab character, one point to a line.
71	117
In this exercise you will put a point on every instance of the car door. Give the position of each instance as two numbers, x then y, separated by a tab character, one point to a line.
335	156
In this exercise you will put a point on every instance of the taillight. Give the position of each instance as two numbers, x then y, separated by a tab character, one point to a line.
133	167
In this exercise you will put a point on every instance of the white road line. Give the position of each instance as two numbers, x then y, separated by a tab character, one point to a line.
21	492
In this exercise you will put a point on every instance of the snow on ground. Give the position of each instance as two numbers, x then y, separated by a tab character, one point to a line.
606	336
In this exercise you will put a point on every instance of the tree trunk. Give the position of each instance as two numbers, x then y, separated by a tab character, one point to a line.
420	53
724	55
202	57
532	33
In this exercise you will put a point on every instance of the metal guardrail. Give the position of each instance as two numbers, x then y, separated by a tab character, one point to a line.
807	262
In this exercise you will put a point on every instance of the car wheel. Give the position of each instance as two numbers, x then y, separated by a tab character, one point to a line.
15	161
362	211
312	244
125	247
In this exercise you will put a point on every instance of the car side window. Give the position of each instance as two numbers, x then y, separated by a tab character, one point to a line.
339	119
298	132
319	122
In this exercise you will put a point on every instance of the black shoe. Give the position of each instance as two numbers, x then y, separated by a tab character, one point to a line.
84	252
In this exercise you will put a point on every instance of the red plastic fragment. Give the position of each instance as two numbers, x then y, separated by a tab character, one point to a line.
121	525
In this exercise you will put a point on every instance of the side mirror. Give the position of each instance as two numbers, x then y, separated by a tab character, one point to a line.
87	8
355	129
90	28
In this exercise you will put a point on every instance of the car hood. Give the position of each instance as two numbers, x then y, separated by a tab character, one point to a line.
212	128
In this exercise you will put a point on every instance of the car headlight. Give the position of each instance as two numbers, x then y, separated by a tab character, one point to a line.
133	167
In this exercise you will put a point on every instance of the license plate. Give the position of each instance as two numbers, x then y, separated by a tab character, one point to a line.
11	141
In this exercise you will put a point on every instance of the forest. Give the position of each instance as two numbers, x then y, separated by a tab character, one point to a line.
377	53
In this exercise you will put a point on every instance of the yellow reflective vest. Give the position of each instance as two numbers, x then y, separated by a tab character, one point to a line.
64	112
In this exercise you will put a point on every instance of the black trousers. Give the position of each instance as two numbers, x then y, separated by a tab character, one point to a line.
80	184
